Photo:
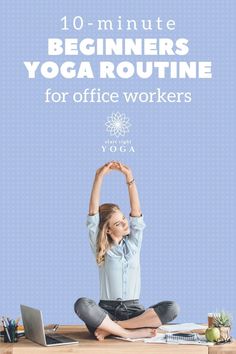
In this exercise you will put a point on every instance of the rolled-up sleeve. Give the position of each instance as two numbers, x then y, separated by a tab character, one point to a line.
136	231
93	229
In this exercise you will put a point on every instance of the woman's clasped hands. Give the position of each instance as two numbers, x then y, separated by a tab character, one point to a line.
114	165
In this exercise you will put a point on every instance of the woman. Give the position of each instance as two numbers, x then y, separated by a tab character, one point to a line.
116	246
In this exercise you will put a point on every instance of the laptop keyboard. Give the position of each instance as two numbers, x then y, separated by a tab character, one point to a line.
57	338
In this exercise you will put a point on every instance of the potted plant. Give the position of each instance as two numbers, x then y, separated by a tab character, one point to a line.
223	321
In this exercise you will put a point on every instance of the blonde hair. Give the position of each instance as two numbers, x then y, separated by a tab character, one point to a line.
104	242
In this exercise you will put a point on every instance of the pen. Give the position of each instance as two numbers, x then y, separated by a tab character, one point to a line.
6	320
6	329
13	330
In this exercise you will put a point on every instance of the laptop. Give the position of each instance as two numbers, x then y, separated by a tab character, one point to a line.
34	329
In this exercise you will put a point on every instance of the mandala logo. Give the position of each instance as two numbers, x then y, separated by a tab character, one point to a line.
118	124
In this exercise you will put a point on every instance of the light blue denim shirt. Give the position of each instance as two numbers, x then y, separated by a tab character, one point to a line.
120	273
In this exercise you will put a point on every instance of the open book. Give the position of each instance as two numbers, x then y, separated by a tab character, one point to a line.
172	338
179	338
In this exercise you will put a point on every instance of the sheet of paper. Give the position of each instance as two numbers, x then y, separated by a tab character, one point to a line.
129	339
182	327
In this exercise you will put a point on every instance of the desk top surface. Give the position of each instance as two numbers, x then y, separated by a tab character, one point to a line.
87	344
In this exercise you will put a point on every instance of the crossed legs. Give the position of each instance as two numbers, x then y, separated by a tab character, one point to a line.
143	325
138	327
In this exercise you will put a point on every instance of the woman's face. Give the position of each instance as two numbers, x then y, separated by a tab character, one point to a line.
118	226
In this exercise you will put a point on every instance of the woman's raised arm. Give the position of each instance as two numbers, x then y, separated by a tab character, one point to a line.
95	193
132	188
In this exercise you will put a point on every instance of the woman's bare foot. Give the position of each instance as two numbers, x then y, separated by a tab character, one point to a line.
136	333
142	333
100	334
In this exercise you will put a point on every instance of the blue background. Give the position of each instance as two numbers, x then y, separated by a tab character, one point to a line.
184	164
